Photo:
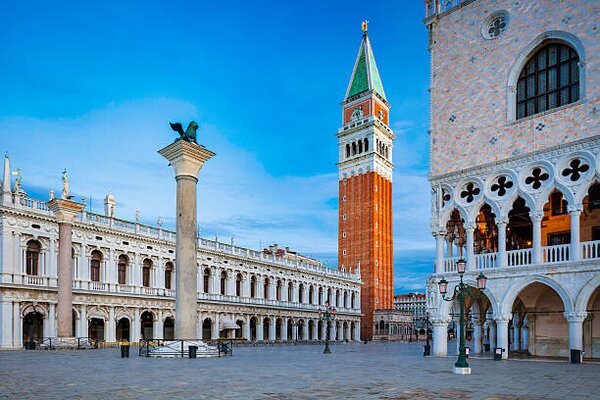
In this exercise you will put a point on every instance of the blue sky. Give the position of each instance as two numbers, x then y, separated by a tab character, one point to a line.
92	87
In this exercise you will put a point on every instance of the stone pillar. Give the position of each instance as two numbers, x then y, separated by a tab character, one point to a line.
284	332
272	329
110	332
492	335
214	332
6	324
576	331
470	230
294	330
502	334
357	331
259	329
159	326
83	322
65	212
186	159
440	338
135	328
333	331
477	348
574	213
440	236
305	331
501	259
52	320
17	326
536	219
247	328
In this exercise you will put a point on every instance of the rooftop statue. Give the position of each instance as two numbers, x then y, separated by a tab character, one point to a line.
190	133
65	192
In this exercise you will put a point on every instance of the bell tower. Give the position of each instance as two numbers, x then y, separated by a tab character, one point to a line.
365	142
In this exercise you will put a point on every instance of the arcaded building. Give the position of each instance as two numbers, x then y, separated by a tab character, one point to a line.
365	142
514	171
124	281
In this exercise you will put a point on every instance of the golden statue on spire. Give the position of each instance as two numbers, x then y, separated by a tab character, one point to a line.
365	26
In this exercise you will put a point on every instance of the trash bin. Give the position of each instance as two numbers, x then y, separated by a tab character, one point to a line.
193	350
124	351
576	356
486	347
426	350
498	353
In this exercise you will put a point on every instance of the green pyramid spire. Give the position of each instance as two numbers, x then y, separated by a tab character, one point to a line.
365	75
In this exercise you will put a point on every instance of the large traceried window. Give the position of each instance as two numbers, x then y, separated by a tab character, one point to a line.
122	269
32	257
550	79
95	266
168	275
146	271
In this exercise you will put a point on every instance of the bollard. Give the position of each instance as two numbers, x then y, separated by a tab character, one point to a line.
124	351
192	350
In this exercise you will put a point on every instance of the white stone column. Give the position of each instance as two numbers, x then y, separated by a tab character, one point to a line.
65	212
305	330
501	259
440	236
159	326
260	287
135	332
576	331
259	328
333	331
492	336
470	231
477	348
357	331
6	324
52	260
17	326
51	320
247	328
215	328
186	159
574	213
502	334
536	220
440	338
272	327
83	322
284	332
110	333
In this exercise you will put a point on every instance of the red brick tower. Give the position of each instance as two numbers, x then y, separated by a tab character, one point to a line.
365	235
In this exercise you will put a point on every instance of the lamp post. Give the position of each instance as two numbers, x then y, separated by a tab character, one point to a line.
460	291
327	315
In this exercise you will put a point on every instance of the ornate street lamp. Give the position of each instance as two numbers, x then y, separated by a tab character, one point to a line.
460	291
327	315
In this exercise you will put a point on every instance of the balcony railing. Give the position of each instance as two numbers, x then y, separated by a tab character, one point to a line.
514	258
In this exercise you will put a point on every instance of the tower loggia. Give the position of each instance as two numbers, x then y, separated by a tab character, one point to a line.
365	141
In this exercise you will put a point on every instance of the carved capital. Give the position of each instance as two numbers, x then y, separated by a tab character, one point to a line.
576	316
575	209
504	318
536	216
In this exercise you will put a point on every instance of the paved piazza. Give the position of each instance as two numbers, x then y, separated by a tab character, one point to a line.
353	371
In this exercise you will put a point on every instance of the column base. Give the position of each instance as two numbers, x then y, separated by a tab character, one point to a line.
462	371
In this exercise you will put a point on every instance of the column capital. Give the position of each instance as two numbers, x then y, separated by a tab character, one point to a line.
186	158
502	221
575	209
576	316
505	318
65	210
536	216
439	233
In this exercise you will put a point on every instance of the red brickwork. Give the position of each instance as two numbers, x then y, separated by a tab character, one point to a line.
365	218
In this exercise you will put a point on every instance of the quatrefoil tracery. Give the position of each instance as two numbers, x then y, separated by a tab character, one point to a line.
471	191
502	186
537	178
578	168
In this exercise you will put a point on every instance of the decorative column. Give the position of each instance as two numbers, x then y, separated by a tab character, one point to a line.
83	322
477	348
357	331
247	328
6	324
536	219
440	338
214	331
576	335
284	332
111	334
470	230
492	335
501	259
272	329
187	159
333	331
440	237
259	328
502	334
65	211
135	331
51	320
305	330
574	213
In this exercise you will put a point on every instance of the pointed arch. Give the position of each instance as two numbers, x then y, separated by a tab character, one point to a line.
514	291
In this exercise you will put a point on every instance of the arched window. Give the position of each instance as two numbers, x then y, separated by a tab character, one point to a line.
290	292
348	150
146	268
266	288
238	285
33	257
168	274
360	149
353	305
122	269
345	299
310	294
353	148
550	79
366	144
95	266
320	299
301	293
206	279
223	282
278	290
253	287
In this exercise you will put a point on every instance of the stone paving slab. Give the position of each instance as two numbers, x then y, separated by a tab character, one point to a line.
390	371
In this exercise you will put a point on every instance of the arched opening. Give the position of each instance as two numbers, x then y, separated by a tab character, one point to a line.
486	232
278	328
345	299
223	285
301	293
320	299
169	328
238	285
311	327
96	329
589	223
206	280
253	323
122	269
290	292
266	288
347	150
146	271
353	299
538	326
366	144
329	299
337	298
310	294
33	328
266	328
353	148
278	287
591	327
168	275
519	234
123	330
320	330
556	228
32	257
95	262
290	327
207	329
147	325
253	286
352	331
360	147
300	335
456	237
239	332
